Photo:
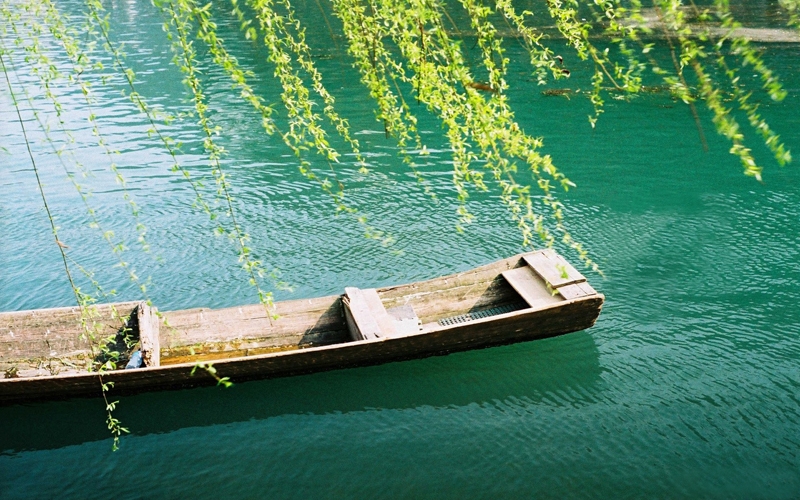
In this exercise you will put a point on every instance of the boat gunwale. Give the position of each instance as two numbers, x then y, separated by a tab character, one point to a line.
50	310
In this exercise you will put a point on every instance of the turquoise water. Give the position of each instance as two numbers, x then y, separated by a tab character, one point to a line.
687	386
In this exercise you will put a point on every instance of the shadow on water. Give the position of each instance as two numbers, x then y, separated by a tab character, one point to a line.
533	371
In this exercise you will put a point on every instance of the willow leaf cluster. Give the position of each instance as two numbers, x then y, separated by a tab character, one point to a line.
404	51
416	46
413	57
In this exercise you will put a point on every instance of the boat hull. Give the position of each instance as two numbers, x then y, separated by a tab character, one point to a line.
509	328
526	297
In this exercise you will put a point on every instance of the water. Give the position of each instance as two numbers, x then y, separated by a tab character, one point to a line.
687	386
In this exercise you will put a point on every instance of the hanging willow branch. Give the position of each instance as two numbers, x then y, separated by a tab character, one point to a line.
185	60
47	73
403	46
84	301
400	48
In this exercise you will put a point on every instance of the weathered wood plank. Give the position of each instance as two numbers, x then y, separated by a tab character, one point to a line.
290	314
576	290
149	322
352	326
531	287
553	268
365	322
248	347
405	320
385	322
59	332
256	344
197	326
434	305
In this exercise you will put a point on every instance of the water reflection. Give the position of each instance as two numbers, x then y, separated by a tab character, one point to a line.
687	387
554	372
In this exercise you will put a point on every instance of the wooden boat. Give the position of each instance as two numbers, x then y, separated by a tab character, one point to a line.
47	354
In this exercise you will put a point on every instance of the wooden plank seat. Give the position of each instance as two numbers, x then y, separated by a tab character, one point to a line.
547	279
552	267
149	326
405	320
368	319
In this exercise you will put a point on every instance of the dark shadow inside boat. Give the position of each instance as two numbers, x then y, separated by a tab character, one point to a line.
322	333
120	347
557	371
499	298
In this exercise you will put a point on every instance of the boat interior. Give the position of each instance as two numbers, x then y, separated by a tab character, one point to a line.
55	341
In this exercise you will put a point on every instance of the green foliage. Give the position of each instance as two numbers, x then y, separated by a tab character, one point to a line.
398	44
85	302
402	51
